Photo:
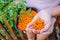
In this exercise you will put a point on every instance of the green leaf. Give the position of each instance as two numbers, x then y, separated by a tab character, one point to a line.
7	9
21	19
11	18
24	8
27	14
22	11
11	13
15	8
11	24
7	21
1	12
23	1
20	5
3	33
31	15
1	19
29	10
20	15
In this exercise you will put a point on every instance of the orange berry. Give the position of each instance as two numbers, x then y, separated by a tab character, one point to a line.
38	24
26	19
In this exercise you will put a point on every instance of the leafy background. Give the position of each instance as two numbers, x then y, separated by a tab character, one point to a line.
8	16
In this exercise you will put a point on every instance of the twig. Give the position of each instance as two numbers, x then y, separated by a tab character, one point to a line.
8	25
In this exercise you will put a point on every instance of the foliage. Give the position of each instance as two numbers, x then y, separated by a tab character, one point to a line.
3	34
9	11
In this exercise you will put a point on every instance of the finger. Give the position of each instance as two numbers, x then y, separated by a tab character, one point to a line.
36	31
53	21
29	26
29	29
47	26
32	21
50	30
30	35
37	16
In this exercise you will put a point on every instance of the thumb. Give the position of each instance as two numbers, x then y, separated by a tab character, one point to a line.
29	25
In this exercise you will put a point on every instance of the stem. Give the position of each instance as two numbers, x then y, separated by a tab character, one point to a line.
2	37
5	32
21	35
8	25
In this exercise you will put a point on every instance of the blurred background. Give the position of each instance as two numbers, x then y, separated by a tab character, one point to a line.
9	16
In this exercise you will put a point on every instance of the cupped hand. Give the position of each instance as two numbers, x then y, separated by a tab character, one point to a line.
47	22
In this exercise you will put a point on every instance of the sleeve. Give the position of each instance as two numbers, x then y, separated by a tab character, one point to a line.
59	2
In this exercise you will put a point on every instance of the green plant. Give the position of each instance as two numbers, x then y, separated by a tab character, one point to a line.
3	34
0	39
9	11
5	27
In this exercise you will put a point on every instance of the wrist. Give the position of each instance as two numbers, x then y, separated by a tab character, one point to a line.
47	12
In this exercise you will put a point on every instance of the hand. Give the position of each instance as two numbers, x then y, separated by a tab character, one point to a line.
44	35
47	21
45	31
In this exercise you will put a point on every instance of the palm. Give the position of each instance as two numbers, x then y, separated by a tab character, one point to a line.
47	21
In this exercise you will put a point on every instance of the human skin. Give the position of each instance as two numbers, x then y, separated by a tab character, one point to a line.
45	14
